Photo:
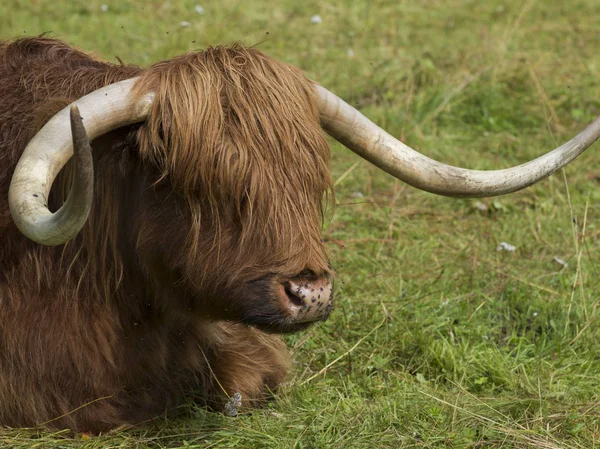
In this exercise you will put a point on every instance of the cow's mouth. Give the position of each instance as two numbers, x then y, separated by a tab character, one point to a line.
282	328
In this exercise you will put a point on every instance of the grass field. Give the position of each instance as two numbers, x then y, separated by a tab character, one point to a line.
438	339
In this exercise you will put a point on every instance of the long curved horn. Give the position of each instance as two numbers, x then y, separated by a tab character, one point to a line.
357	132
47	153
114	106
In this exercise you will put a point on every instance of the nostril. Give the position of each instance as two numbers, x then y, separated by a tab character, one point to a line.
293	297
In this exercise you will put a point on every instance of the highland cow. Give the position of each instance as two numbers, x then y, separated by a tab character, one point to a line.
175	246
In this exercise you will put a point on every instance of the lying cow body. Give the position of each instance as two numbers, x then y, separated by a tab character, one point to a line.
192	224
164	266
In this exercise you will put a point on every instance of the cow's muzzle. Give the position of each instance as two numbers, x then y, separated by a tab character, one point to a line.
286	304
307	298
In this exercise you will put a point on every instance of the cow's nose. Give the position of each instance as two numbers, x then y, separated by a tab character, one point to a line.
308	298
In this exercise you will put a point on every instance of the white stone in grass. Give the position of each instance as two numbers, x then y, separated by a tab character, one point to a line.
103	8
199	9
561	262
481	206
233	405
503	246
184	24
316	19
350	53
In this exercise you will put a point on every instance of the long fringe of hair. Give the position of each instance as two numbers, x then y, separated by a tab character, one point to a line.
238	135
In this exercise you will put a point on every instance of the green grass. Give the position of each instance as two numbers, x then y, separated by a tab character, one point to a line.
438	339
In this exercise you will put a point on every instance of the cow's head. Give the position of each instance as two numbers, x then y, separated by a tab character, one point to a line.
235	140
235	178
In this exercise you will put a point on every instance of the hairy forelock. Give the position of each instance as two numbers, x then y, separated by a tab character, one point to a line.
238	133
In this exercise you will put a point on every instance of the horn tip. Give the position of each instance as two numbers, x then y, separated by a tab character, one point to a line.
75	112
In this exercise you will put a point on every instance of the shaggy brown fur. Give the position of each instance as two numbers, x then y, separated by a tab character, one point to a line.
198	215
